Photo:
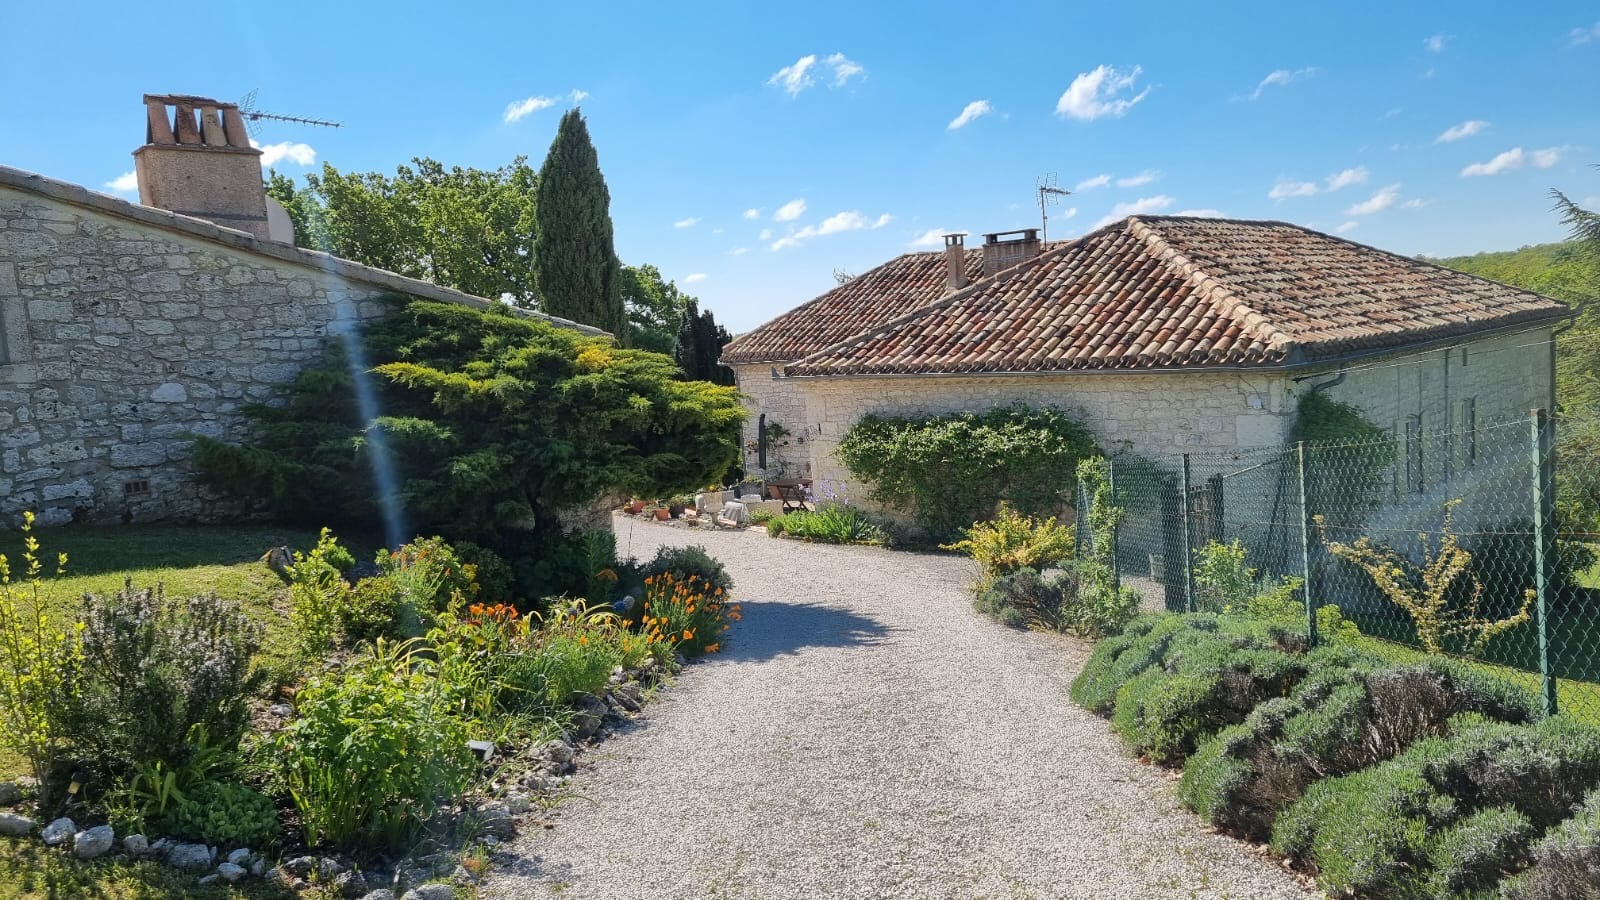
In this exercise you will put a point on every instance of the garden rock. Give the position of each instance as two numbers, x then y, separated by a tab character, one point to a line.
281	710
10	794
630	695
519	804
209	880
258	868
160	847
13	825
230	872
380	894
240	856
57	832
300	866
136	845
431	892
93	843
190	857
495	818
558	752
351	884
586	721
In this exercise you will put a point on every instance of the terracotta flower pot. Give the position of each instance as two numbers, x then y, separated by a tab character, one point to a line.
634	508
663	514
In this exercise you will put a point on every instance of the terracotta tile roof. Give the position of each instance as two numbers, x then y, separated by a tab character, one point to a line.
1175	292
866	301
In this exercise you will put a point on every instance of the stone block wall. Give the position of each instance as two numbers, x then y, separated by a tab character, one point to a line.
780	399
126	330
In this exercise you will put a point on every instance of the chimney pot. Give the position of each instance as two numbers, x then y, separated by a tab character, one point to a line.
999	255
955	262
204	168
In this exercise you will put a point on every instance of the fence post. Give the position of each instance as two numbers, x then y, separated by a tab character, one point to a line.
1188	541
1305	547
1116	564
1544	506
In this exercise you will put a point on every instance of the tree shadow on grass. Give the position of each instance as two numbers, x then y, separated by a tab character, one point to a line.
773	628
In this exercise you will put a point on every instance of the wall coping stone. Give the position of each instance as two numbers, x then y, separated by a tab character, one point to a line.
77	195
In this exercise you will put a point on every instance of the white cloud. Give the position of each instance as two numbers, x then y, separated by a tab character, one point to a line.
1286	189
752	213
738	251
1435	44
1348	227
1093	95
1464	130
790	211
972	111
850	220
693	277
1391	114
1137	207
844	69
1280	78
1142	178
521	108
1202	213
766	234
1584	35
578	96
272	154
933	237
686	223
1514	159
1089	184
716	231
124	183
1344	179
1415	203
797	77
1382	200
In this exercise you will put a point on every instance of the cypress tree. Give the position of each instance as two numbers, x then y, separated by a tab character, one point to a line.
699	345
575	262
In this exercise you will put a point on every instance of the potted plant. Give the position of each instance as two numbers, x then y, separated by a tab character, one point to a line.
678	504
661	513
750	486
633	507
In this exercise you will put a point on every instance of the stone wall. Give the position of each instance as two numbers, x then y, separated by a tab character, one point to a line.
780	399
126	330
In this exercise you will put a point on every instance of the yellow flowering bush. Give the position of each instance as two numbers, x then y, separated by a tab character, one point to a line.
687	613
38	661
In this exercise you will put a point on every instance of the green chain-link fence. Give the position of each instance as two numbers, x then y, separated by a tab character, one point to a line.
1478	542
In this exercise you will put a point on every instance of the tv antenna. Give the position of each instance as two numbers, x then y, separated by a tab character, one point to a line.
1049	195
247	108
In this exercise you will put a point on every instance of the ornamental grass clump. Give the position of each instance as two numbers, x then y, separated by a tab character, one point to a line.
830	523
687	613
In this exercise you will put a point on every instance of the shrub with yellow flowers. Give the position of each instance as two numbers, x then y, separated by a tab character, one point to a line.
687	613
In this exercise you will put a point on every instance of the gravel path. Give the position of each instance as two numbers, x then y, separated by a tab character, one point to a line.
867	735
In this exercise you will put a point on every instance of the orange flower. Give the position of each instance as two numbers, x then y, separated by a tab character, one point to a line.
688	635
713	648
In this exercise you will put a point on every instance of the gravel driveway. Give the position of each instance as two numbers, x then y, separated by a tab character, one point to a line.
866	734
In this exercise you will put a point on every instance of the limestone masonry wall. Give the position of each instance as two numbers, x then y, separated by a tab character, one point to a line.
126	330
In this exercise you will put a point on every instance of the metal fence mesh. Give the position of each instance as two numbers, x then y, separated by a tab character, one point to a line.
1488	534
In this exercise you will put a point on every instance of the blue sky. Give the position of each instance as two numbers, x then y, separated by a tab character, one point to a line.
752	149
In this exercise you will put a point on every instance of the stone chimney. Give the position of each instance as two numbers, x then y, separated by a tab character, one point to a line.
197	160
999	254
955	262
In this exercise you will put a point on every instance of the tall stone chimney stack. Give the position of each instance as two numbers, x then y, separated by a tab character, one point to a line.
955	262
197	160
998	254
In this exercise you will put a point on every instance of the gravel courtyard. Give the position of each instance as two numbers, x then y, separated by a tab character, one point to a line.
866	734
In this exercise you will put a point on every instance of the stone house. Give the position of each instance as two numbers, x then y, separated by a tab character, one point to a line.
126	328
1165	335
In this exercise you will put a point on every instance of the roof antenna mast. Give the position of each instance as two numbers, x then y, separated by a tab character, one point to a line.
1049	195
247	108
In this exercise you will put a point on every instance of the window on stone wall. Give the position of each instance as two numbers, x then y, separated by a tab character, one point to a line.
1414	454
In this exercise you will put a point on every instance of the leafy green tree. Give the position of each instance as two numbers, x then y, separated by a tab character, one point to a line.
655	307
699	345
467	229
579	275
494	425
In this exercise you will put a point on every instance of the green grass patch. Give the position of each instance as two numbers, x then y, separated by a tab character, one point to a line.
31	871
